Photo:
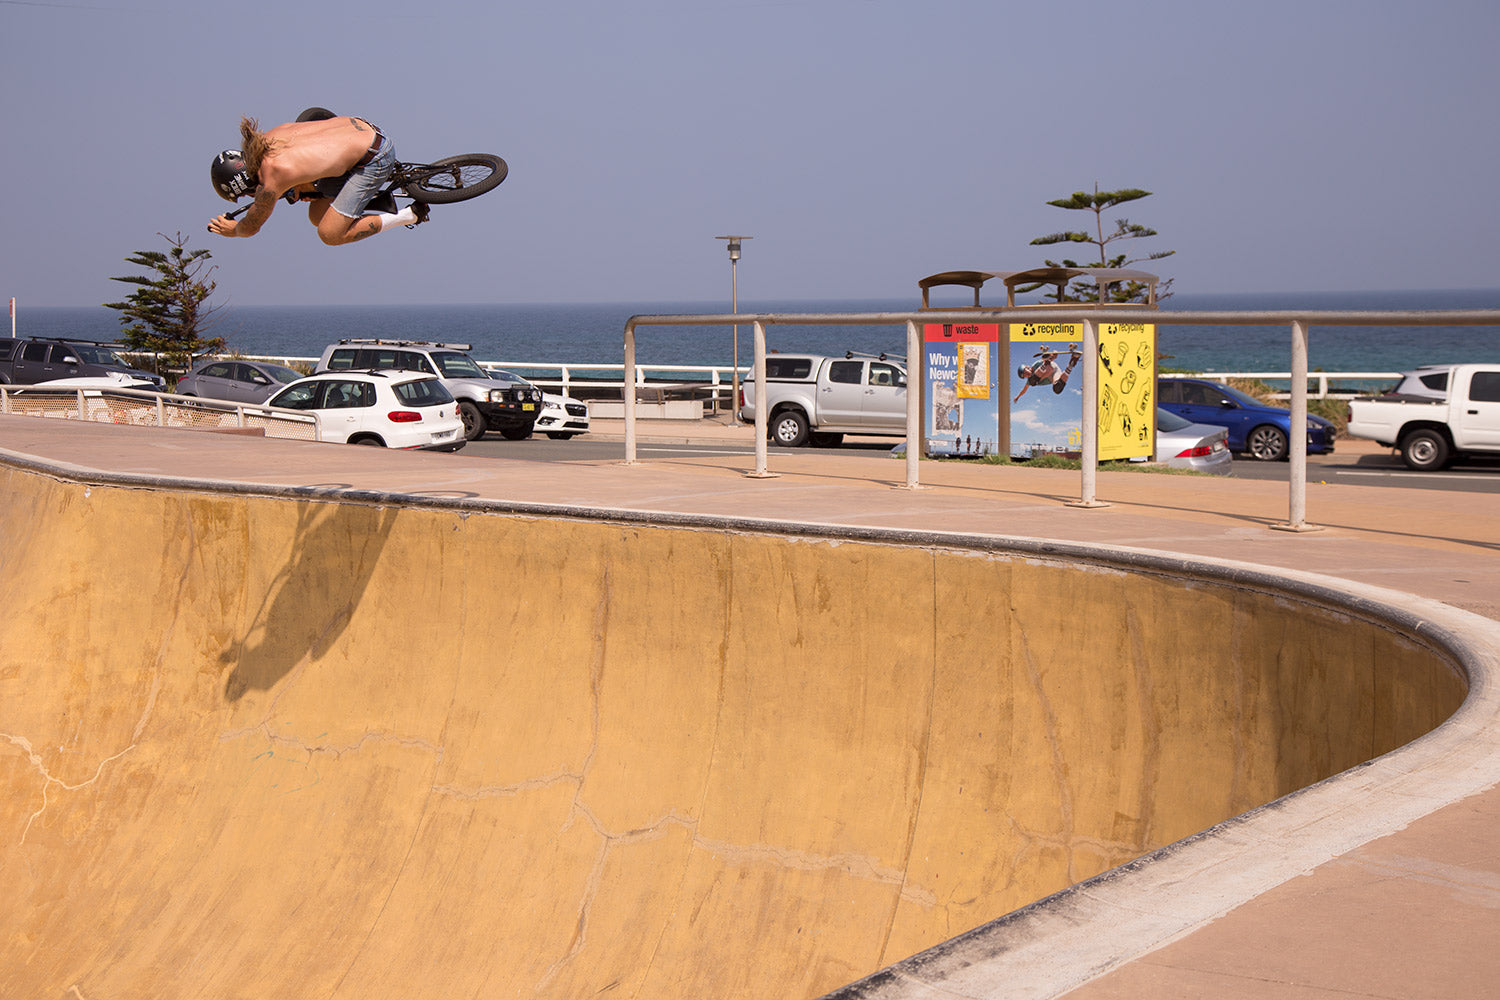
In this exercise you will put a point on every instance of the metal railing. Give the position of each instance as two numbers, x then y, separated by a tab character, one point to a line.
154	409
1089	319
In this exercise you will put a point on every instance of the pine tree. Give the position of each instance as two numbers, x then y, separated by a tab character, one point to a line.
167	316
1098	203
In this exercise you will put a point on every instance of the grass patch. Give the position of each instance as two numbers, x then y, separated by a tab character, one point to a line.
1070	464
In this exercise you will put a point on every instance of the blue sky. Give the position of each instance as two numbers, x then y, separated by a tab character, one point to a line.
1290	146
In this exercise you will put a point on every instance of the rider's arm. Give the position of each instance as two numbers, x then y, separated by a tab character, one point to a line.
260	211
255	215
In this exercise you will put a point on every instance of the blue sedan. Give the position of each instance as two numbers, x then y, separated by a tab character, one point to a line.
1255	429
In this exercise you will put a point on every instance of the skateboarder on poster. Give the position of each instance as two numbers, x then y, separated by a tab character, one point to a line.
1045	370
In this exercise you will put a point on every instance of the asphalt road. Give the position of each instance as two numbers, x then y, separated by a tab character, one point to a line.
1481	476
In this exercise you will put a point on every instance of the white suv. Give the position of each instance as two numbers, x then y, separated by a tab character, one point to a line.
389	409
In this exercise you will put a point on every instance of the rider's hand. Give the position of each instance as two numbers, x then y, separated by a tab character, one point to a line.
223	225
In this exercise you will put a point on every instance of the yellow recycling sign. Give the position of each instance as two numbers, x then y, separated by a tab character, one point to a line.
1044	406
1127	390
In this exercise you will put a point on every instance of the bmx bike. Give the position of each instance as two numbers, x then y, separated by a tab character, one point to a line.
441	182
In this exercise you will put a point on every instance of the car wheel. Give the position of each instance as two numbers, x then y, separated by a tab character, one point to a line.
789	429
473	420
372	442
1266	443
1425	451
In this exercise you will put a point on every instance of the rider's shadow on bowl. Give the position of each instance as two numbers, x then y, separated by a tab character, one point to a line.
307	606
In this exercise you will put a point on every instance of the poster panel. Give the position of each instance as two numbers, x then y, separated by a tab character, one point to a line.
1046	404
963	391
1127	390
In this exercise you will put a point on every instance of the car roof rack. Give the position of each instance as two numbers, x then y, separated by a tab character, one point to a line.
406	343
882	356
76	340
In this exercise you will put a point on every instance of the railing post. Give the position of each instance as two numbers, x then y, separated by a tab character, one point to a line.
913	404
1090	418
762	416
1297	435
627	392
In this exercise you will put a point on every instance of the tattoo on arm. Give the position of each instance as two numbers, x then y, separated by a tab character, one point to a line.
357	126
260	210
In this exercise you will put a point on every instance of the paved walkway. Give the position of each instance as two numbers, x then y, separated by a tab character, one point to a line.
1413	914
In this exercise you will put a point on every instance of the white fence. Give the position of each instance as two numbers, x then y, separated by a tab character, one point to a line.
154	409
715	382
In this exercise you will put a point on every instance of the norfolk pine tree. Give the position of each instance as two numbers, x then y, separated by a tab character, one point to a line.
1098	203
166	315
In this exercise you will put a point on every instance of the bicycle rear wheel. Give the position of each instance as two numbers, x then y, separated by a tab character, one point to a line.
454	178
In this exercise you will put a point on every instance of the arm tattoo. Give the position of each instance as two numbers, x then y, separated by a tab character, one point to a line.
357	126
260	210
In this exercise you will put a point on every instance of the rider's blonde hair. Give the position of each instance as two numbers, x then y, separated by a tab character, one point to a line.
255	144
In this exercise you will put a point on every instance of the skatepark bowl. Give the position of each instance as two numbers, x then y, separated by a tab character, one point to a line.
286	744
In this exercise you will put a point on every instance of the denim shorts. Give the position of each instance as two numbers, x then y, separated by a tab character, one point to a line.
363	183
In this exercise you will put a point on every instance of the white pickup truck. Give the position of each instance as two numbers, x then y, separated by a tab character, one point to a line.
820	399
1432	432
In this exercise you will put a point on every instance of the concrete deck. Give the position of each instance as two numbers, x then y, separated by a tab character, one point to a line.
1411	913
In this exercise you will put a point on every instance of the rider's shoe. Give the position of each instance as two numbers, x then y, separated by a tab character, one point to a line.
421	210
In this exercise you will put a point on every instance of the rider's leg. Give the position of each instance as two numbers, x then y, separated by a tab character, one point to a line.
347	219
336	230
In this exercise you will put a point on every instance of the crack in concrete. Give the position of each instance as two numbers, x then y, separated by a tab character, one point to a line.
48	780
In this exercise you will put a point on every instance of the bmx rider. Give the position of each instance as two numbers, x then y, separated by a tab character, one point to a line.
338	164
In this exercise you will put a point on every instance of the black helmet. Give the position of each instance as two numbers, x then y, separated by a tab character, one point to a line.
231	180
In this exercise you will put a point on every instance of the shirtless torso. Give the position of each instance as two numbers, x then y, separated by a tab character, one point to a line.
297	154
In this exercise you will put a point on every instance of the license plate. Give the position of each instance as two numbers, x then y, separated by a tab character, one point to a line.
528	406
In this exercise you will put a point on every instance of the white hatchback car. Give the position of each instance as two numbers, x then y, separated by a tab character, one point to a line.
394	409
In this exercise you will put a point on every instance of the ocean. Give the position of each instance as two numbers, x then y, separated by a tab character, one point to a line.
583	333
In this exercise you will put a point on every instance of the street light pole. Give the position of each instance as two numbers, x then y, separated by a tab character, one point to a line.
734	291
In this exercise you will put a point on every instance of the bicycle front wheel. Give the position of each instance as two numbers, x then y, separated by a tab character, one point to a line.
455	178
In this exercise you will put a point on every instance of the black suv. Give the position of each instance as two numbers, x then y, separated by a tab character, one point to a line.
26	361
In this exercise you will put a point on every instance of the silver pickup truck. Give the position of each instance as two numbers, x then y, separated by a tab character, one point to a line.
819	399
1433	430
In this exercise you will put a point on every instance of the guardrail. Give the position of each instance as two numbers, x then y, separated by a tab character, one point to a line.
717	381
153	409
1088	318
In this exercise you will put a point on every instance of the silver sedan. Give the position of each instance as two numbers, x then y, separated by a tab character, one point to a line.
1182	444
